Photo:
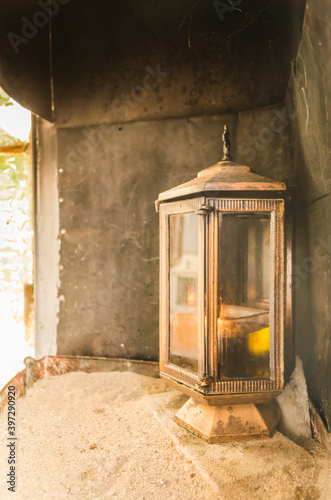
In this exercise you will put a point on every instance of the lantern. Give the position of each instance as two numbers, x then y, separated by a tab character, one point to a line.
225	299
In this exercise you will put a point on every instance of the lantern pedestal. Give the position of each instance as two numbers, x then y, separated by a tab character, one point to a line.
219	424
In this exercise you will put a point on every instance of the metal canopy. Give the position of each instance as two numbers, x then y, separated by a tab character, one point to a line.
222	177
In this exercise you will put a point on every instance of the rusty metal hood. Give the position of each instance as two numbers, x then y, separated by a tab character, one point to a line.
224	176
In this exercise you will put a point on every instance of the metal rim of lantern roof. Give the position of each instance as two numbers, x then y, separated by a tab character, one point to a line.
225	176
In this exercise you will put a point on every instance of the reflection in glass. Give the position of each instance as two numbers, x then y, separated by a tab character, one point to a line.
183	231
244	294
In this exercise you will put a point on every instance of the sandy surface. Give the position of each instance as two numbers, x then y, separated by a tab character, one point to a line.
90	436
112	435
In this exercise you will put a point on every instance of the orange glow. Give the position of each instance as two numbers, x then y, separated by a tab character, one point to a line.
190	299
184	341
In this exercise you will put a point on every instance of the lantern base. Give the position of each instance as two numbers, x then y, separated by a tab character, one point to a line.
218	424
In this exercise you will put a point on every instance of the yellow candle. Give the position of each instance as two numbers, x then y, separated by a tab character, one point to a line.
259	341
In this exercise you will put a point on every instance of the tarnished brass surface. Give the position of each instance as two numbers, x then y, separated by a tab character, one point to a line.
222	177
219	424
257	389
222	399
222	408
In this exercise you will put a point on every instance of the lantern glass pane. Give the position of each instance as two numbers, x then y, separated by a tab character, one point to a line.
244	267
183	262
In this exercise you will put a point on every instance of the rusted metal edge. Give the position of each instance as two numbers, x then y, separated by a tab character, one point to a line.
49	366
319	431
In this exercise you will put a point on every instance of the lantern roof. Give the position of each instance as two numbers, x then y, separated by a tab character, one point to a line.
225	176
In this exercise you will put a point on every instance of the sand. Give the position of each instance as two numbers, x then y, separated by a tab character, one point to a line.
90	436
112	435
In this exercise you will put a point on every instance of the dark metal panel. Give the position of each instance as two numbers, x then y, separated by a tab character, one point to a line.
25	54
125	61
105	54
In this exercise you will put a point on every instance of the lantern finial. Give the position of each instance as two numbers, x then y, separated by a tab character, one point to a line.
226	144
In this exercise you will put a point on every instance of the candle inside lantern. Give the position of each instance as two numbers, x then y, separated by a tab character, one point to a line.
244	342
259	341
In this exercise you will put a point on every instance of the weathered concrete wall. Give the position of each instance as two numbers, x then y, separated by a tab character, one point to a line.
309	98
263	142
109	178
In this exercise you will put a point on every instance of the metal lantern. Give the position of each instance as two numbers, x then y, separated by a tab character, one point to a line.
225	301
